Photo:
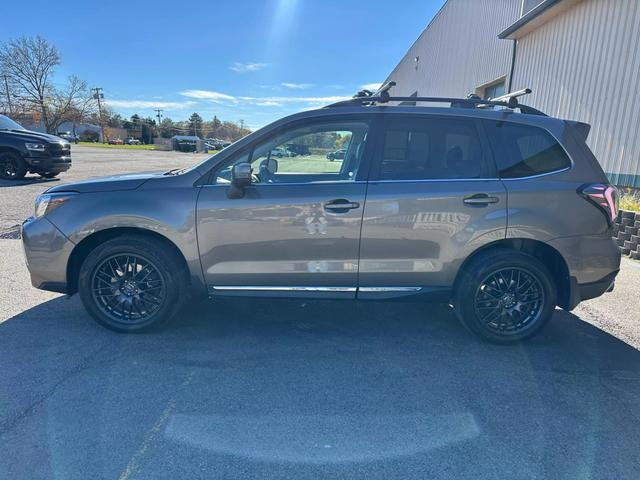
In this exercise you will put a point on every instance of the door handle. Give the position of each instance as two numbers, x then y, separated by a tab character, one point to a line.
340	205
480	199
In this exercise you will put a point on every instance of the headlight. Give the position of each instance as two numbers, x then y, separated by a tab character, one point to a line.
36	147
47	202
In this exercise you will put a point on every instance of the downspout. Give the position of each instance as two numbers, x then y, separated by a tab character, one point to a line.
513	65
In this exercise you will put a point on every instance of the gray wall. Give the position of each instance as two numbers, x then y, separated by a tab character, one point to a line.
584	65
459	50
529	4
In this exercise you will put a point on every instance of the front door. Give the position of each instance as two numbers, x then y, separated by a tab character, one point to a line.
296	229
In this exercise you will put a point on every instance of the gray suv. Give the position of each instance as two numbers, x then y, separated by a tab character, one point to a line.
490	206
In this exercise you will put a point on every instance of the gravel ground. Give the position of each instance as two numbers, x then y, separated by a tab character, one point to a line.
290	389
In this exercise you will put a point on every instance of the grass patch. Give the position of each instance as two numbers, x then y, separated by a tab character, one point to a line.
630	202
126	147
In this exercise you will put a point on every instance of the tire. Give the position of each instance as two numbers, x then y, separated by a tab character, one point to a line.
131	283
504	296
12	166
48	174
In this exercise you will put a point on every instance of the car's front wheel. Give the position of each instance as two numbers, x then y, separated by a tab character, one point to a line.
130	283
12	166
505	296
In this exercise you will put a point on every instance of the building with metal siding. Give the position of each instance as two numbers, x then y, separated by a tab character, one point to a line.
581	58
459	51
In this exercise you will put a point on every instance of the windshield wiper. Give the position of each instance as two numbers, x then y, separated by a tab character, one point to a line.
174	171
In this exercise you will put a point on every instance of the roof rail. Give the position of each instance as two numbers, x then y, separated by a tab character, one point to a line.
382	96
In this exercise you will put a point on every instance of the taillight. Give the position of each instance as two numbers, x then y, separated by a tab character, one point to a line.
604	196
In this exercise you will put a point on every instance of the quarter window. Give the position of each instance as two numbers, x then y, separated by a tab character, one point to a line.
524	151
431	149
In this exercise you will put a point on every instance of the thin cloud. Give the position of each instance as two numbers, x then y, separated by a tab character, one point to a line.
297	86
371	86
149	104
268	104
207	95
247	67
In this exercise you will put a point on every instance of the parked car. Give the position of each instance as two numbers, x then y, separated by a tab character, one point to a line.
69	136
281	152
115	141
502	214
23	151
337	155
132	141
217	144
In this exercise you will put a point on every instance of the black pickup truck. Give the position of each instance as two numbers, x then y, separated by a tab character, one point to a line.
23	151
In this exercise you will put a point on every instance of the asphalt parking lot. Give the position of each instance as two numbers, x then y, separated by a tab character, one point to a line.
292	389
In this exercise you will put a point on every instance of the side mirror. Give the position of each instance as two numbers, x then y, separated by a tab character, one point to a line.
240	178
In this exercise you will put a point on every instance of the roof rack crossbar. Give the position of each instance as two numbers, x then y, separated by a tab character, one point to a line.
511	102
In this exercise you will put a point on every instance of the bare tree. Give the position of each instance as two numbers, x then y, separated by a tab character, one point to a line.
72	104
30	63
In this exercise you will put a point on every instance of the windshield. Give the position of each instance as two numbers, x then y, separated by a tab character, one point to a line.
7	124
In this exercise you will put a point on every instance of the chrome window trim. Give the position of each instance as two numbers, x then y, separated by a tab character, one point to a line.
554	172
328	182
437	180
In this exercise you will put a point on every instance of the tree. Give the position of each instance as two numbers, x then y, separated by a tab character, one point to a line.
215	126
27	65
72	104
30	63
195	124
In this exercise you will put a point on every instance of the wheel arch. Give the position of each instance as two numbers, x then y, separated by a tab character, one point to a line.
545	253
5	149
84	247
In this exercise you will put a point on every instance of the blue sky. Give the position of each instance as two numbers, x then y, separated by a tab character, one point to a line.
255	60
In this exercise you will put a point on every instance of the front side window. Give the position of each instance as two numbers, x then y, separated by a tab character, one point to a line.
524	151
325	151
432	149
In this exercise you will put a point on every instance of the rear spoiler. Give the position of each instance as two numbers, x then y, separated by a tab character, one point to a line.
581	129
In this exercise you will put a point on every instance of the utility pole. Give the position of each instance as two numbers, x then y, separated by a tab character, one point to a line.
241	124
99	96
159	115
6	86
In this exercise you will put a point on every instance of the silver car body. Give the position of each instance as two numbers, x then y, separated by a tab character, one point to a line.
402	237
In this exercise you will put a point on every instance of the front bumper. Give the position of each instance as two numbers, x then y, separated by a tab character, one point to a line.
47	251
50	164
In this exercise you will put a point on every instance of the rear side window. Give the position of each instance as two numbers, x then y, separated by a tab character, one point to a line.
431	149
524	151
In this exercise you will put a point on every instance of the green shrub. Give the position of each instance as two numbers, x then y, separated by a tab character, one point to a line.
630	202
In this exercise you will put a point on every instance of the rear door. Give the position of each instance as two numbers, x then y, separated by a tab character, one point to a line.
433	198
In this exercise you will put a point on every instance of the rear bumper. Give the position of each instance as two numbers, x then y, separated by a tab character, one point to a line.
47	252
587	291
593	262
50	164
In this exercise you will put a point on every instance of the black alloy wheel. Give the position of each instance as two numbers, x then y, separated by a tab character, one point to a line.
509	300
128	288
132	283
12	167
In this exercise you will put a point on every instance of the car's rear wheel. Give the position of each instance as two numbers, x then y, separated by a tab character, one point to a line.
12	166
505	296
131	283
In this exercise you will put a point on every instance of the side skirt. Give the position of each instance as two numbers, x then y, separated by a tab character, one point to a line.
433	294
